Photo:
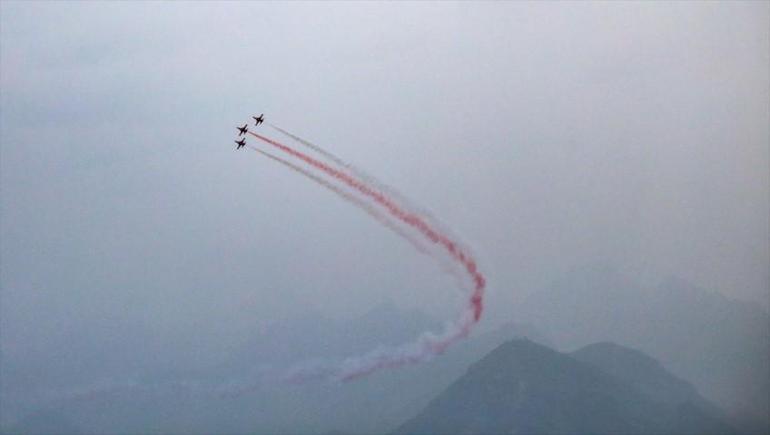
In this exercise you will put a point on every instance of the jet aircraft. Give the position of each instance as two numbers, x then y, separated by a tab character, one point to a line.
243	130
241	143
259	120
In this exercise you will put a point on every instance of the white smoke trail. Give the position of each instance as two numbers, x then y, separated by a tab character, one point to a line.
447	265
429	344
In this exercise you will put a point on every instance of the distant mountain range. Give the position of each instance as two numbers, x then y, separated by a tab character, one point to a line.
523	387
486	383
375	404
720	345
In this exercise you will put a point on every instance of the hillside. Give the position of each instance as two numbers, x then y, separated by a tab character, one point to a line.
719	345
523	387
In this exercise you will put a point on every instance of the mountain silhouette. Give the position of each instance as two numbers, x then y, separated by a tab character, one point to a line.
524	387
718	344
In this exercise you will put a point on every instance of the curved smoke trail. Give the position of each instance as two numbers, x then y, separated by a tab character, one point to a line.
385	189
370	180
364	176
428	344
347	196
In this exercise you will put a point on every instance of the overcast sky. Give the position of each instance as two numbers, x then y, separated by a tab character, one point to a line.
549	135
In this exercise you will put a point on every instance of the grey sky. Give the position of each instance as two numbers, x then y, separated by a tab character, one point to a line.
549	135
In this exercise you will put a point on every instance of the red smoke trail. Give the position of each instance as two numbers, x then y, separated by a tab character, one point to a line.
315	148
415	221
386	190
410	219
366	178
368	208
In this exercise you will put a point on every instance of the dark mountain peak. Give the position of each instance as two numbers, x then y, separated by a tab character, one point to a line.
517	347
716	343
524	387
519	352
523	362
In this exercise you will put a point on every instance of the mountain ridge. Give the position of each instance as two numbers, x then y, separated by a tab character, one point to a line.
524	387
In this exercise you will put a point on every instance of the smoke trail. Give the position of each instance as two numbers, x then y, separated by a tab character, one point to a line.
320	150
428	344
367	178
368	208
372	211
383	188
395	210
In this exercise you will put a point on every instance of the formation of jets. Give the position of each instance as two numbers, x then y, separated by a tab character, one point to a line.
245	129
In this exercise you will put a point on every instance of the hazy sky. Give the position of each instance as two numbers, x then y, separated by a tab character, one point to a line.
549	135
